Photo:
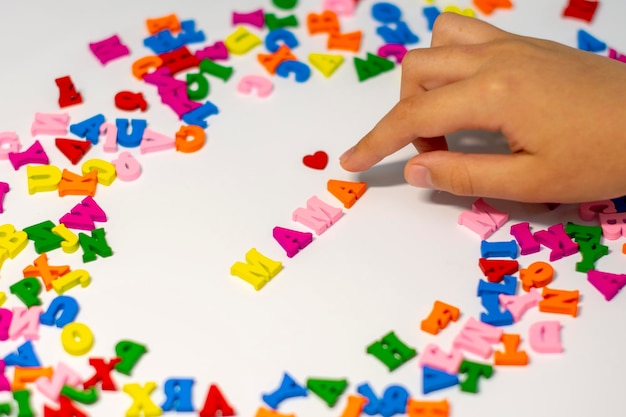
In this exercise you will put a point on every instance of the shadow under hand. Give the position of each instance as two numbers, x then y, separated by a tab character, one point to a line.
384	175
478	141
467	141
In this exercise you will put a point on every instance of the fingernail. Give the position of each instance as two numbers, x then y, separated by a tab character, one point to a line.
419	176
346	154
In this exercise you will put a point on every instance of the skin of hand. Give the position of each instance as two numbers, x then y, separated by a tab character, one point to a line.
562	111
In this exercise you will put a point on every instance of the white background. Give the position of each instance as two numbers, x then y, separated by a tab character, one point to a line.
176	231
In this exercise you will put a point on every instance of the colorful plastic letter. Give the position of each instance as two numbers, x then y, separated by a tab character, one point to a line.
288	388
63	375
433	357
262	85
178	395
488	6
190	139
292	240
341	7
608	284
285	4
255	18
435	380
496	269
537	275
35	154
372	66
4	189
27	290
398	35
89	128
129	101
273	22
83	215
300	70
11	240
431	13
416	408
77	339
9	143
474	371
498	249
439	317
215	403
73	184
105	170
44	239
216	52
179	60
43	178
350	41
346	191
94	245
329	390
154	141
326	64
493	314
129	352
47	273
326	22
483	219
258	269
393	50
391	351
386	13
519	304
25	323
71	280
211	67
613	225
89	396
70	240
477	338
142	403
197	116
557	240
545	337
317	215
509	286
581	9
559	301
241	41
511	356
50	124
109	49
144	65
61	312
271	61
68	95
525	239
25	356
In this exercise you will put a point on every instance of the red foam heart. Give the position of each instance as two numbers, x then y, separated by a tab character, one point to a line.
318	160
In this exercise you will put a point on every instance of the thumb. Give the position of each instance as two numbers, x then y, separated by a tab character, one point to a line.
510	177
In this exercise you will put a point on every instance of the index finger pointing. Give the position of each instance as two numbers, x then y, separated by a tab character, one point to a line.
453	107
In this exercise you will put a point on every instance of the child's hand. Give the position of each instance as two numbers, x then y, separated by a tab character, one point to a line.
563	112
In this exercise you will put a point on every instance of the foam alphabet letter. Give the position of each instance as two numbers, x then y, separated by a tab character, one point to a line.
391	351
129	352
288	388
292	240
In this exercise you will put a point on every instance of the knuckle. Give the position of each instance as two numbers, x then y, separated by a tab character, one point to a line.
443	23
410	60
